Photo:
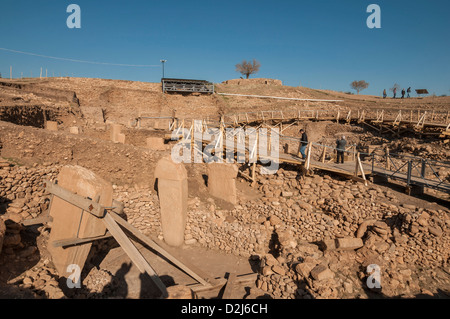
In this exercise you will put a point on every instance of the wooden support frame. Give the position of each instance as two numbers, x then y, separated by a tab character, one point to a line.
114	224
84	203
152	244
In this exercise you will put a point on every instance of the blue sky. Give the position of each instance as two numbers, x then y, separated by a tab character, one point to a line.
322	44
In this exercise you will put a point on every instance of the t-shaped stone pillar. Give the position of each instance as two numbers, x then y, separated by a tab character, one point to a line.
222	181
173	194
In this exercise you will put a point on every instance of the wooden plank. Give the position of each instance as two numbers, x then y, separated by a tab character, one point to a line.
132	252
37	220
74	199
248	278
153	245
229	287
77	241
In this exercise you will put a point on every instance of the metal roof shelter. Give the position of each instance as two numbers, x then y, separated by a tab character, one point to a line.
421	91
187	86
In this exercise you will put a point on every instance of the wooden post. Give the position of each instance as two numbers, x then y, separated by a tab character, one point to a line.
324	153
361	169
193	143
388	164
356	167
308	156
254	174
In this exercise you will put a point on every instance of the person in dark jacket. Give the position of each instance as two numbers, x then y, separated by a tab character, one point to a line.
403	93
408	91
340	147
303	143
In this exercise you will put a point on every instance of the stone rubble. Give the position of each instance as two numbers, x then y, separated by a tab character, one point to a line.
310	236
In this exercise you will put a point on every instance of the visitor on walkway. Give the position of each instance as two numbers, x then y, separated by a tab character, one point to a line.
340	147
408	91
303	143
384	94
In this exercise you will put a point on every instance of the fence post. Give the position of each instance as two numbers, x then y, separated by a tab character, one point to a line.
388	164
373	162
356	166
308	156
324	153
424	167
408	182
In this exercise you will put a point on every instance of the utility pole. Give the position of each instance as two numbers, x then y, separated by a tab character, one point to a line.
163	61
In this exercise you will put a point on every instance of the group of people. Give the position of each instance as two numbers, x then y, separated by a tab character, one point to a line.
394	91
340	146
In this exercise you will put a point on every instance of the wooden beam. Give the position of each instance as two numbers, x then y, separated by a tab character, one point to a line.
77	241
227	294
133	252
248	278
153	245
74	199
37	220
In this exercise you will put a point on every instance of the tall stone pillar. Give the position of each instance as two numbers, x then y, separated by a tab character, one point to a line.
222	181
173	194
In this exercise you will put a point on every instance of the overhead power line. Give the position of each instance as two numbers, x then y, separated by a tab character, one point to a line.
82	61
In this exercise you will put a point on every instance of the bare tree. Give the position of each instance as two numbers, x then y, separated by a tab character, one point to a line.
359	85
246	67
395	86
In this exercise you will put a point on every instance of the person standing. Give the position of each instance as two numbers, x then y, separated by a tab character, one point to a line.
340	148
403	93
384	94
303	143
408	91
395	92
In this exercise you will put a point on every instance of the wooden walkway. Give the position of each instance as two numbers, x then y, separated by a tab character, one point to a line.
348	170
354	169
